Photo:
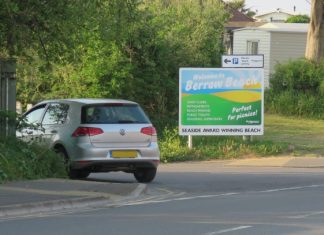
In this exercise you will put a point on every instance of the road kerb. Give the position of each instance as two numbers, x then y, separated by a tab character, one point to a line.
50	206
34	208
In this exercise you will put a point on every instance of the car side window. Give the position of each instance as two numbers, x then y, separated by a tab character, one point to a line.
34	116
55	114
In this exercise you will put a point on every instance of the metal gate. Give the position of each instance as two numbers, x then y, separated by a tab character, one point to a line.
7	95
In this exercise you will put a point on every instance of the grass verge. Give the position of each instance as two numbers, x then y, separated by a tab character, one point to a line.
282	135
174	147
19	160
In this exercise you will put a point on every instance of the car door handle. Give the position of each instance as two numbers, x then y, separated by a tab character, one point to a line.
53	131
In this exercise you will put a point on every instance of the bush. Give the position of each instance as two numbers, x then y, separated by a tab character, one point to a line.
297	89
297	75
298	19
19	161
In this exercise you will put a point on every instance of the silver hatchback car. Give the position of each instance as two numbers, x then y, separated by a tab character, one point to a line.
95	135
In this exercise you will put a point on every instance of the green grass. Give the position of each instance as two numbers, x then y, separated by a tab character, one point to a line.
306	136
174	147
282	135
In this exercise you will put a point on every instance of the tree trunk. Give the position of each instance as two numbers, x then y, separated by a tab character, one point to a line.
315	37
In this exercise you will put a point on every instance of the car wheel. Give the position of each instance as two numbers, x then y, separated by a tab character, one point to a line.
72	173
78	174
145	175
60	151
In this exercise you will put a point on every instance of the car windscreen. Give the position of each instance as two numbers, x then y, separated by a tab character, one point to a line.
113	114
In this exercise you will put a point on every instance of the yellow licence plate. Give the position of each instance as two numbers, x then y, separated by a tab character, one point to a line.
124	154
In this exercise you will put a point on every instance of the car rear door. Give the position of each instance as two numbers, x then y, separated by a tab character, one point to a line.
53	121
29	128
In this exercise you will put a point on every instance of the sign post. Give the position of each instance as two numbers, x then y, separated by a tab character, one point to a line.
219	101
190	141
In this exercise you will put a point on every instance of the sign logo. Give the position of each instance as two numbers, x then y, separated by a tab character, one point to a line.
235	60
122	132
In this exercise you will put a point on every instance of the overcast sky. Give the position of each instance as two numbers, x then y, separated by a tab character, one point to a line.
263	6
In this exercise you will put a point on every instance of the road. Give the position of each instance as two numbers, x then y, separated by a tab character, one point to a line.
200	199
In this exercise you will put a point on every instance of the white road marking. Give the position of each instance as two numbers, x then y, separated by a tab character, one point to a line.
215	195
291	188
228	230
307	215
176	199
204	196
280	189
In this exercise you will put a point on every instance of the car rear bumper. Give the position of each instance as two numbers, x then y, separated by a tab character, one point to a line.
86	151
115	165
85	156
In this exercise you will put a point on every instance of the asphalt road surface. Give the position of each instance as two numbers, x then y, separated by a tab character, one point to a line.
198	199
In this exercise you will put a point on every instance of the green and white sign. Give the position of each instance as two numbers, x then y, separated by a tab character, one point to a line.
221	101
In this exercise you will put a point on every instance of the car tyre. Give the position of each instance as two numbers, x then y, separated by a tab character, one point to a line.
78	174
61	153
72	173
145	175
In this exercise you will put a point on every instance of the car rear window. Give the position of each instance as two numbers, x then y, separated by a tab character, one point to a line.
113	114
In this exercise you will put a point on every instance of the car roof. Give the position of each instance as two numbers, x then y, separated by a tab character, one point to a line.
89	101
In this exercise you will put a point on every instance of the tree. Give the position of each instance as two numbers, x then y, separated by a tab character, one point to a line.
130	49
46	38
315	37
30	24
240	6
298	19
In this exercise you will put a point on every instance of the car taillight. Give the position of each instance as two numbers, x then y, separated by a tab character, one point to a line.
148	130
87	131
